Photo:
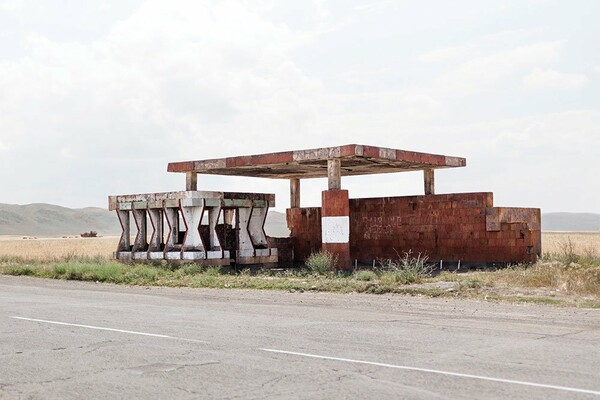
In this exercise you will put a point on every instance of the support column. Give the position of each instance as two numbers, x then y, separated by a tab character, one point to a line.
244	241
172	238
155	246
213	220
334	176
335	226
228	215
191	180
124	242
256	227
192	241
429	181
216	251
140	244
295	193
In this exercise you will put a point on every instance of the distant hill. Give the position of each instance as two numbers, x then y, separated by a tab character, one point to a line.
564	221
50	220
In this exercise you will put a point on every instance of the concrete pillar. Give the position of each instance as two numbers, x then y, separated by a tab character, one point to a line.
228	215
295	193
335	226
429	181
192	217
245	246
334	176
256	227
213	220
172	238
140	243
155	216
191	180
124	241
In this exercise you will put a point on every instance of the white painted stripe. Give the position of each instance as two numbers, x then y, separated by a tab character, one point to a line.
100	328
435	371
335	229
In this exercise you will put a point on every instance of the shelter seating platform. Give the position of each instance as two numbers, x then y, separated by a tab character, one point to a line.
212	228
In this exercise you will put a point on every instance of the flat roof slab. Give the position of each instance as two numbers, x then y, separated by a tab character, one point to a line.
355	160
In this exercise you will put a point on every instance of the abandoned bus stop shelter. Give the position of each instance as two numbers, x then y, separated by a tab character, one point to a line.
452	227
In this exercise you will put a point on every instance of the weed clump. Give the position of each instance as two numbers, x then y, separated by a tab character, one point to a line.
406	269
321	262
214	270
365	275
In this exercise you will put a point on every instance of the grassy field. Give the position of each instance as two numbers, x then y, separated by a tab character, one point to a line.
53	248
553	242
567	275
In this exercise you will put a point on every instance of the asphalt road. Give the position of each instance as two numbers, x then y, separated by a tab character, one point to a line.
61	340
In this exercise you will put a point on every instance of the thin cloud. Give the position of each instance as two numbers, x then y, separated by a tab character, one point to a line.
10	5
482	72
442	54
551	79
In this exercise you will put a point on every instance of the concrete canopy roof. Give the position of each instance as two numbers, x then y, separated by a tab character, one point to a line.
300	164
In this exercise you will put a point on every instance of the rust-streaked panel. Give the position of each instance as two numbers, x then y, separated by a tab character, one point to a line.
312	163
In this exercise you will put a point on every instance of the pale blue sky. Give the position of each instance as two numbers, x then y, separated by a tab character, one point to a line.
97	96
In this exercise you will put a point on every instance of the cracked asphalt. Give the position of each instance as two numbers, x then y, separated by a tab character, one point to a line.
66	340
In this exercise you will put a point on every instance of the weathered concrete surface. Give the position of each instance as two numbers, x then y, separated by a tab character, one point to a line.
215	341
198	241
354	159
452	227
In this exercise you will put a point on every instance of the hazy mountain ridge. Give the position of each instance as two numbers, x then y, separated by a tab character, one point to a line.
565	221
40	219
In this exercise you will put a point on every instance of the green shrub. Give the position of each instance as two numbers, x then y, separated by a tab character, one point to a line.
191	269
365	275
213	270
20	270
59	270
321	262
406	269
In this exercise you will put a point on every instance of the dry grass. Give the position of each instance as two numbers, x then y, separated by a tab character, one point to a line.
572	278
44	248
583	241
55	248
550	277
568	274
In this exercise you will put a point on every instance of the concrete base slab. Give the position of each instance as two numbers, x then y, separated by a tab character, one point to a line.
256	260
193	255
172	255
155	255
123	255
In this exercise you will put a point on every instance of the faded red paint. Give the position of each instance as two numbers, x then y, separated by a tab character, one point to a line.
305	227
356	160
335	204
449	227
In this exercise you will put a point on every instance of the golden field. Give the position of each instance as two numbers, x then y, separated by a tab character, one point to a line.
51	248
583	242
